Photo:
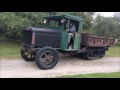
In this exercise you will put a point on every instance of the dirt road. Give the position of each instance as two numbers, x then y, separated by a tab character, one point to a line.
13	68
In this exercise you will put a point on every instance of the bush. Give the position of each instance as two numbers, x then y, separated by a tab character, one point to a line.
12	23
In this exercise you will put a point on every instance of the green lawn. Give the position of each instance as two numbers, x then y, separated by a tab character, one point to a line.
96	75
113	51
10	49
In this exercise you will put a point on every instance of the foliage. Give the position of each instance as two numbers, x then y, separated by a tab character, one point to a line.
12	23
106	27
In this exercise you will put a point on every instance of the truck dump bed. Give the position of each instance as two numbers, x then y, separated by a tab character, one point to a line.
95	41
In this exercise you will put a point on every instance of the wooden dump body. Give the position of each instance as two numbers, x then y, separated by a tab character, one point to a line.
95	41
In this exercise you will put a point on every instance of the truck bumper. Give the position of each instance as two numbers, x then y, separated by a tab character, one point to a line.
28	49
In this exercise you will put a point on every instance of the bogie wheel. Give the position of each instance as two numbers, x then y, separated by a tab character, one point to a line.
89	56
46	58
27	56
102	54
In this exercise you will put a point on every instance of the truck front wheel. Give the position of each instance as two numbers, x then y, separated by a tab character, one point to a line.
27	56
46	58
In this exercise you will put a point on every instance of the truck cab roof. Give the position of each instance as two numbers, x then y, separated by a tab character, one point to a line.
77	18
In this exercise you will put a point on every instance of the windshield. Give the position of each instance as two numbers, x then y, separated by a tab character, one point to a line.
54	24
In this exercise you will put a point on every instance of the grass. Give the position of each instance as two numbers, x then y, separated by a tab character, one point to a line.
10	49
113	51
96	75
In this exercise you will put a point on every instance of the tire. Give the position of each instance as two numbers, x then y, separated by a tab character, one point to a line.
102	54
46	58
89	56
27	56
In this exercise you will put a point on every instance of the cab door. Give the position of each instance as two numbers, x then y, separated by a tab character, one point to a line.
77	39
64	38
76	44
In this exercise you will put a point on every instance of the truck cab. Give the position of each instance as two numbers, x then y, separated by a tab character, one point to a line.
63	26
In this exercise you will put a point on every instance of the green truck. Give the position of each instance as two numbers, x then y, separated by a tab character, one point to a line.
43	44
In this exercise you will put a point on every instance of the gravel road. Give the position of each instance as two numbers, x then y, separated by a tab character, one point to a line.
18	68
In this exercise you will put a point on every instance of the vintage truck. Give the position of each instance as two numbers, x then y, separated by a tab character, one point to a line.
44	44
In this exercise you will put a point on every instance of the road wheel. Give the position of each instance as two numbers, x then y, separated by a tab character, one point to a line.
102	54
27	56
46	58
89	56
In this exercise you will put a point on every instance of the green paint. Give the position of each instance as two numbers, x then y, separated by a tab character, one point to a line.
64	34
76	41
64	38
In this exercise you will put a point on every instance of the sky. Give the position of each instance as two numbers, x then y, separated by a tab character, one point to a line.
106	14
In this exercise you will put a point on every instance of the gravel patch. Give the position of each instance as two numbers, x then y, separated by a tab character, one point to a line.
18	68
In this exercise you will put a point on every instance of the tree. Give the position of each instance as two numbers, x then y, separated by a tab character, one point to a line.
117	18
12	23
9	25
106	27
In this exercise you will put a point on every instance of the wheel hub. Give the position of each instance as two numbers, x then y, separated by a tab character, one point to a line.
48	58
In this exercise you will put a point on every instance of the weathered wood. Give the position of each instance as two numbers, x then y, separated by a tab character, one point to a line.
95	41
